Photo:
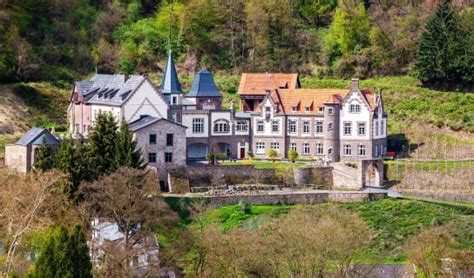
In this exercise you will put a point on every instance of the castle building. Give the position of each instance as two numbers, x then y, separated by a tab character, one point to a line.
276	113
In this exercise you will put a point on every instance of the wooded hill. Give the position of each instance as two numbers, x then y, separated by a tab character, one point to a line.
65	40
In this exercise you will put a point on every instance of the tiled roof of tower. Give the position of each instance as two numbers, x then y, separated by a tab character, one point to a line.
204	85
259	83
170	84
312	98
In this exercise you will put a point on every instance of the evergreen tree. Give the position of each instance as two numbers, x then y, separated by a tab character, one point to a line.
102	144
73	159
63	255
127	154
442	52
45	158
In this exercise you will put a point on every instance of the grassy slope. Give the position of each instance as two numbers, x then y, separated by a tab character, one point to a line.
23	106
393	223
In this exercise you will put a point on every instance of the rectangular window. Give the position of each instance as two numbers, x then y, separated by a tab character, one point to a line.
260	126
319	127
361	150
293	109
275	126
275	145
242	126
382	128
305	127
347	150
319	149
260	148
321	109
330	126
292	127
307	109
152	139
152	158
168	157
361	128
268	109
221	127
306	149
293	146
347	128
354	108
169	139
198	125
376	150
330	111
175	100
376	128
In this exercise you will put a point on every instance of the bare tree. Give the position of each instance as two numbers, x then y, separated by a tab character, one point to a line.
130	198
28	202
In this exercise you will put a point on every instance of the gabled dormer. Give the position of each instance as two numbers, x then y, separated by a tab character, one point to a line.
170	86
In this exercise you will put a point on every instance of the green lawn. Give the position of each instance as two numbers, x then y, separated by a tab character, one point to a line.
393	222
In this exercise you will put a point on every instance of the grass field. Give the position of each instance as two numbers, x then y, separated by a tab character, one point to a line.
392	222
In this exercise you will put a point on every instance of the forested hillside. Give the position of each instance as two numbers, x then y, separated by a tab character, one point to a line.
67	39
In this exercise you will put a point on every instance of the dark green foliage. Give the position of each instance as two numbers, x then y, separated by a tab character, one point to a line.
71	158
102	144
127	154
63	254
443	52
45	158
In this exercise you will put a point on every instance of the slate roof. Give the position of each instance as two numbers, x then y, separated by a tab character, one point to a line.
170	84
32	134
260	83
146	121
204	85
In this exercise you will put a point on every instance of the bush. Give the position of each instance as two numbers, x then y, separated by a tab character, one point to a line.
292	155
272	154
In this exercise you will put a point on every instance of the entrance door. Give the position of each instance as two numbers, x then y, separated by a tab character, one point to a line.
242	153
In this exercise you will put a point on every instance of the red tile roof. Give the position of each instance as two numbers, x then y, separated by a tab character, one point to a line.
260	83
312	98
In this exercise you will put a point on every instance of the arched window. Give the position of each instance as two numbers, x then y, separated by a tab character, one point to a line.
221	126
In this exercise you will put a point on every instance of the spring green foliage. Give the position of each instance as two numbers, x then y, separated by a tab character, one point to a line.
292	155
102	144
272	154
65	40
443	52
44	160
63	254
127	153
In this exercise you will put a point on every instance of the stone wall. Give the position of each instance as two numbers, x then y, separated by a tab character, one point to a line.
17	158
206	175
292	198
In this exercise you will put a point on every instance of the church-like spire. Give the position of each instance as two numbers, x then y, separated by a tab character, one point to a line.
170	84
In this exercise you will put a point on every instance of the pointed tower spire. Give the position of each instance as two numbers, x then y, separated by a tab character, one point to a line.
170	84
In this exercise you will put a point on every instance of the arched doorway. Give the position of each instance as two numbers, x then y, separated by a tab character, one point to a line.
197	151
373	176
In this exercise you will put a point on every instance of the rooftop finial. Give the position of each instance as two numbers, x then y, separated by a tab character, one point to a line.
169	25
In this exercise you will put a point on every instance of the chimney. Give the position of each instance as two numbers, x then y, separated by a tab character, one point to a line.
355	83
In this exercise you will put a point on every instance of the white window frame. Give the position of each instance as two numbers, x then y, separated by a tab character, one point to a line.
361	127
198	125
319	149
305	149
275	146
242	126
277	125
306	127
347	150
260	148
260	126
293	146
347	128
319	127
292	128
221	126
361	150
354	108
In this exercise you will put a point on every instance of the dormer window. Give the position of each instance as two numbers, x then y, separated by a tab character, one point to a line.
321	109
354	108
307	109
293	108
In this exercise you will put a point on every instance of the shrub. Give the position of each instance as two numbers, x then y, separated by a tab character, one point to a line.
292	155
272	154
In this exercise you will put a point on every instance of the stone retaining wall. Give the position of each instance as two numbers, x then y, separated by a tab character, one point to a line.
308	198
207	175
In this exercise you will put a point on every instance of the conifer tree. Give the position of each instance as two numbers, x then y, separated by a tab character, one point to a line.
73	159
102	144
63	255
442	52
45	159
128	154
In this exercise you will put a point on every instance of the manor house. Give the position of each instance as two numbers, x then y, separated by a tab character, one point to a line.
275	113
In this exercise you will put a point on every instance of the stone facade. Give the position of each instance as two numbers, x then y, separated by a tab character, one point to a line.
162	142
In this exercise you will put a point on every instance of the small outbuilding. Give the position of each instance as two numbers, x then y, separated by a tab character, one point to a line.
21	156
